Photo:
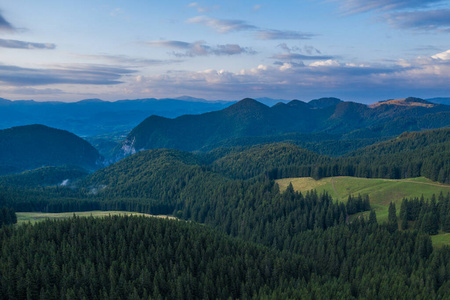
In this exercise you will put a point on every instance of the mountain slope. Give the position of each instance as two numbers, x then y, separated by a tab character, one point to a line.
33	146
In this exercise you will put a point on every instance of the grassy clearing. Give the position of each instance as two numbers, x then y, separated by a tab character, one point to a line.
442	239
33	217
380	191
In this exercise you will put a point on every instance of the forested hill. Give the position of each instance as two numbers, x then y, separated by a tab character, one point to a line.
410	155
249	119
33	146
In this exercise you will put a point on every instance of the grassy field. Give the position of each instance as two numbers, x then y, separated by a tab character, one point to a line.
381	192
442	239
33	217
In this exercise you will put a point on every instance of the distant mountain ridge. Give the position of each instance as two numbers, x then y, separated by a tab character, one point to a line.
92	117
440	100
33	146
250	118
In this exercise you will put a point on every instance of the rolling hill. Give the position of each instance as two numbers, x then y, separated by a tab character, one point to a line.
34	146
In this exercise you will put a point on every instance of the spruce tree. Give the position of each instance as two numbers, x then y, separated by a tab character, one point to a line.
392	218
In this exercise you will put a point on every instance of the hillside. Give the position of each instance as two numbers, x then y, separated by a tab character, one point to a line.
33	146
44	176
251	120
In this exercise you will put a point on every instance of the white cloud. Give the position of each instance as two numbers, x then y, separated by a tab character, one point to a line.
325	63
442	56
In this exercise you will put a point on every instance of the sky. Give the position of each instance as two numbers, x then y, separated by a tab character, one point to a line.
356	50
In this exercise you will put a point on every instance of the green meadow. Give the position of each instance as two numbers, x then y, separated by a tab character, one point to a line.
381	192
33	217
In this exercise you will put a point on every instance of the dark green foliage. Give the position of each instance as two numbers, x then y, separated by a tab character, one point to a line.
7	216
137	257
429	216
392	218
357	204
33	146
372	217
123	257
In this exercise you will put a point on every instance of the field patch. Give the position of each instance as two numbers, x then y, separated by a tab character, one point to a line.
381	192
33	217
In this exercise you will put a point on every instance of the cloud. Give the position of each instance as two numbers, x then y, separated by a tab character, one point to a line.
421	76
325	63
297	56
283	35
222	26
442	56
199	48
421	20
226	26
5	25
25	45
65	74
361	6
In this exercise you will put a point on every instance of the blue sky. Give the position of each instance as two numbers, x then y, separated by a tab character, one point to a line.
357	50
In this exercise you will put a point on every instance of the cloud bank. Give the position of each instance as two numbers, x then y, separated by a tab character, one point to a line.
67	74
402	78
25	45
421	20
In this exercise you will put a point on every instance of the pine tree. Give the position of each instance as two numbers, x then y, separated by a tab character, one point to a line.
392	218
372	217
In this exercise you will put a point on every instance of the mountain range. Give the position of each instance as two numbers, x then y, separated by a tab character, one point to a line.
249	118
93	117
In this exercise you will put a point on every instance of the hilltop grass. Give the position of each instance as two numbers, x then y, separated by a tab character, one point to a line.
381	192
33	217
